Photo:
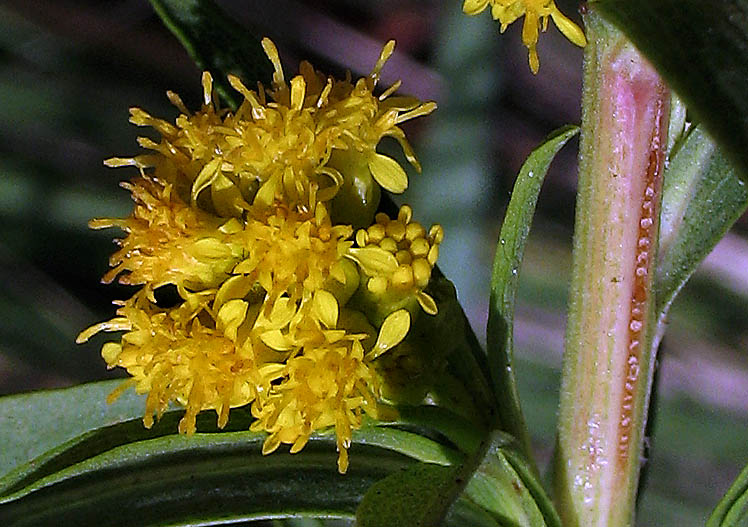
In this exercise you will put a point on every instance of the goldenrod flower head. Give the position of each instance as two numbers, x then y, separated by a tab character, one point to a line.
168	242
536	13
180	355
278	144
396	257
328	380
329	385
298	366
279	309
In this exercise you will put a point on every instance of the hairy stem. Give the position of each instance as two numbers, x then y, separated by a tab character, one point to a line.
608	361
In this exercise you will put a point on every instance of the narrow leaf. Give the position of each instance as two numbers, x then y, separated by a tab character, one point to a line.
732	510
702	198
496	488
205	479
62	415
504	486
449	331
505	280
114	455
217	43
702	52
463	434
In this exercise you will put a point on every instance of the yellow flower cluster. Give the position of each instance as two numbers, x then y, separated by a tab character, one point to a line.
536	13
296	142
279	307
410	255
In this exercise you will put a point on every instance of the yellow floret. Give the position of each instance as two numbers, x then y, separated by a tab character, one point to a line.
536	13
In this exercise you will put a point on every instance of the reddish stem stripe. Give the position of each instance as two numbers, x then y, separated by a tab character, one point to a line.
643	265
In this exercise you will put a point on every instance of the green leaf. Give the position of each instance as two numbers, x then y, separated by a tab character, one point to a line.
702	52
497	488
417	497
462	433
206	478
93	458
217	43
505	280
702	198
465	388
504	486
62	415
732	510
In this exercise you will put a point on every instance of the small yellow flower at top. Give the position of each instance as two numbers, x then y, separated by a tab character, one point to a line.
536	13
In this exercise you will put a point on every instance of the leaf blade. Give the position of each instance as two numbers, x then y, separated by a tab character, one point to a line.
412	497
505	281
63	416
504	486
106	455
216	42
732	510
702	198
212	477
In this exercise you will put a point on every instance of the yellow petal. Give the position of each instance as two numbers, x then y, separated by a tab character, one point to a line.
235	287
282	312
116	324
230	317
276	340
266	195
206	177
394	329
377	285
530	29
507	14
533	59
373	260
176	100
209	249
272	52
427	303
115	162
272	442
387	51
110	351
299	444
298	92
226	197
207	87
337	271
421	110
569	29
326	308
473	7
233	226
388	173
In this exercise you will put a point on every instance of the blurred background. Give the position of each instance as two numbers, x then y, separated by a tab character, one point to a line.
70	69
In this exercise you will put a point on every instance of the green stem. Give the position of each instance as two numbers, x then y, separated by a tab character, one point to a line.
608	362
